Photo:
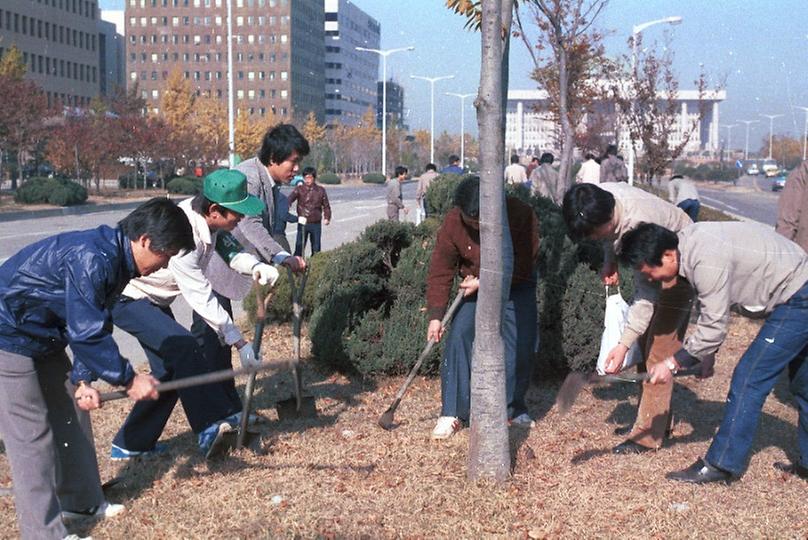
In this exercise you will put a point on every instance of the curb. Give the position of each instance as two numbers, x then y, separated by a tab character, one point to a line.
77	210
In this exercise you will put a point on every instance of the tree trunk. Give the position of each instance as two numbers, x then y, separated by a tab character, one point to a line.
489	452
18	181
567	129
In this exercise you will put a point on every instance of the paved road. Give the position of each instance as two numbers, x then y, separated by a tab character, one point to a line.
353	209
752	198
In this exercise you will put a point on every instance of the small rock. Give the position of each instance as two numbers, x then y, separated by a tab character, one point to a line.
276	500
348	434
680	507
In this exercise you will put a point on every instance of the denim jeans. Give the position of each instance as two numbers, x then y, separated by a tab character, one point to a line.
691	207
309	231
519	331
781	343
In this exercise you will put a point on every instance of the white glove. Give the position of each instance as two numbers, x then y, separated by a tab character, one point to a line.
302	220
247	355
265	273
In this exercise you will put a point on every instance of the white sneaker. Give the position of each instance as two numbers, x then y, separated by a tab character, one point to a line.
446	427
77	537
523	420
105	511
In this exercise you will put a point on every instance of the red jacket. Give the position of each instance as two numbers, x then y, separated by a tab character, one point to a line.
457	251
312	202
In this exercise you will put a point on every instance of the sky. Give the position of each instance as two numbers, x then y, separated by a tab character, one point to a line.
757	46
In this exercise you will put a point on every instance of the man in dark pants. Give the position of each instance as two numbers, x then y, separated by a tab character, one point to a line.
313	207
55	293
458	250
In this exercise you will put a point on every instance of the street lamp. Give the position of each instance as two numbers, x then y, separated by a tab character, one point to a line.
635	32
805	131
432	81
729	135
771	118
746	148
384	54
462	124
231	130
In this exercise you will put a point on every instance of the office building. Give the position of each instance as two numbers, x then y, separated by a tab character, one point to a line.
278	51
59	44
350	75
531	130
110	59
395	105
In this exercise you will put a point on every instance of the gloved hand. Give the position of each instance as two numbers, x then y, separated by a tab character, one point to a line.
265	273
247	355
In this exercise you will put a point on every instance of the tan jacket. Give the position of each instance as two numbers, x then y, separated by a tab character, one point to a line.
632	207
682	189
792	202
736	264
547	183
613	169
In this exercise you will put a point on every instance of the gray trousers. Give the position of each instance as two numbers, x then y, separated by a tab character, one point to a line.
49	443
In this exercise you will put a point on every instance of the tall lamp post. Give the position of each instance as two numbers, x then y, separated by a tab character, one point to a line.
462	125
635	33
729	135
432	81
805	131
771	118
746	147
231	130
384	54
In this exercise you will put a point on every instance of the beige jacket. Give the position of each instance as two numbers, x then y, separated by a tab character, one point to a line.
793	201
632	207
736	264
682	189
547	183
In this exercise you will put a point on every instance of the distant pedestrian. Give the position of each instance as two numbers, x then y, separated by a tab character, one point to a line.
546	181
395	201
589	172
430	173
454	166
313	210
792	221
683	193
612	168
515	173
534	162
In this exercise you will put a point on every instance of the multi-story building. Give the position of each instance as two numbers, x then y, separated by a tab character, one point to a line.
278	51
530	128
110	59
350	75
395	105
59	44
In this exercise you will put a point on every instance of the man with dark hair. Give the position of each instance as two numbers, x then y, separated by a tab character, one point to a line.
313	210
55	294
589	172
683	193
612	168
457	250
607	212
395	201
515	172
546	181
749	266
454	166
144	311
424	181
534	162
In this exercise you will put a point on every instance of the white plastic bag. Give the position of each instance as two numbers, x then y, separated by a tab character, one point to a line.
614	322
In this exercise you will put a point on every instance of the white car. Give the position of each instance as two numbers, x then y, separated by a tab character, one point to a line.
753	170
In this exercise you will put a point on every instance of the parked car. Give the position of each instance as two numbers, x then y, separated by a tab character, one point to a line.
771	173
753	170
779	183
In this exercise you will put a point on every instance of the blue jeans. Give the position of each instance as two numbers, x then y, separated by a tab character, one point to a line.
309	231
691	207
519	331
781	343
173	353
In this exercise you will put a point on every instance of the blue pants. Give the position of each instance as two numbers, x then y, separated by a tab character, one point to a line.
691	207
781	343
309	231
173	353
519	331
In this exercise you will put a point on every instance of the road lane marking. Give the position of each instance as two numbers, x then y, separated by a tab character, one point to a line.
719	202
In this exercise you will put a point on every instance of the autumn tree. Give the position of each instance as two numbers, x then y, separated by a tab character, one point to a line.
12	64
176	110
23	110
210	128
314	133
786	150
250	130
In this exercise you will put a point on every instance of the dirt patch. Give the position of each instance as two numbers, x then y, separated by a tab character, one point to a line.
340	475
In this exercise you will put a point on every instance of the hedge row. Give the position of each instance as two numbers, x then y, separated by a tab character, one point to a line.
55	191
184	185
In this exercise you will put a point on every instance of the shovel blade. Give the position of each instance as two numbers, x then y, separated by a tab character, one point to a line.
288	410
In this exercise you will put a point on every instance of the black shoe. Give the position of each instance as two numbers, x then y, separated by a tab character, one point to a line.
792	468
630	447
701	472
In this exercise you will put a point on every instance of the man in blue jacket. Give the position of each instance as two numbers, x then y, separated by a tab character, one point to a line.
56	293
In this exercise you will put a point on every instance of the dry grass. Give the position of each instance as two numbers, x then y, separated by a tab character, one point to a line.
339	475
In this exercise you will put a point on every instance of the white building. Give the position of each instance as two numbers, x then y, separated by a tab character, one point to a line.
530	129
350	75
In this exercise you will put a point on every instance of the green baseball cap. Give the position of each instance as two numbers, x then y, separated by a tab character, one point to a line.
228	188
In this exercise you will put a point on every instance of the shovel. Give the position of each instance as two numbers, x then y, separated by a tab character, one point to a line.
261	303
299	405
576	381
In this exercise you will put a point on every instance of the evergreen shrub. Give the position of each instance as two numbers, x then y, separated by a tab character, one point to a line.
184	185
374	178
329	178
440	195
132	180
55	191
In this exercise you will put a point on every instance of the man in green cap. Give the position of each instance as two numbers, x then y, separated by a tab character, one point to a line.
173	352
